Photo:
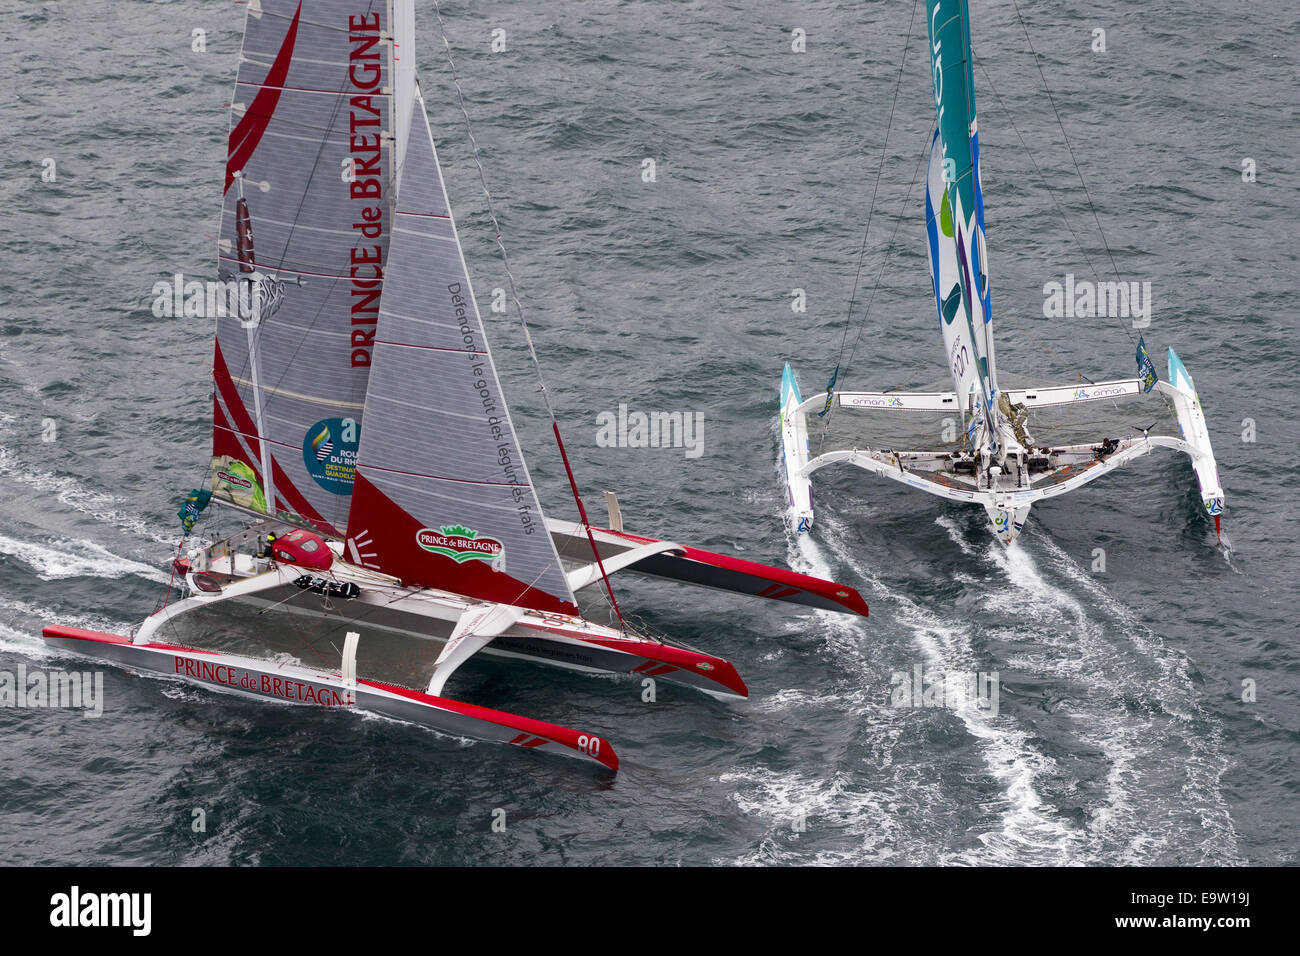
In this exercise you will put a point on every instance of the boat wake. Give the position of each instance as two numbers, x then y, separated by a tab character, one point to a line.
71	493
1027	829
1132	698
1099	752
20	632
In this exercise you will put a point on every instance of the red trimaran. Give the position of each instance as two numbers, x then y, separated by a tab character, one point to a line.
408	545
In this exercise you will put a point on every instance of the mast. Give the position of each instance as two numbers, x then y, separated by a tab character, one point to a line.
250	291
402	60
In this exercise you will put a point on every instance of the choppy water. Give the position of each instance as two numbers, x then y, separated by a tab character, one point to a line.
1121	735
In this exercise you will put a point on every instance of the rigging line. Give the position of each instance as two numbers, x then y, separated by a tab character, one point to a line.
1078	171
1041	177
326	299
330	126
519	309
257	335
889	248
880	168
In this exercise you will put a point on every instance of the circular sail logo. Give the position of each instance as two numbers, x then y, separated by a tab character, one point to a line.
329	450
462	544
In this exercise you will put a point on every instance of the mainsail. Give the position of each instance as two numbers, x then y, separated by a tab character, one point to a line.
305	230
954	212
442	495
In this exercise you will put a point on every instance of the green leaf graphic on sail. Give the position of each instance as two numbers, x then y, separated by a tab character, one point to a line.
951	303
236	482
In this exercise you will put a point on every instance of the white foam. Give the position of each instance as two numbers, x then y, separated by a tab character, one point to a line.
21	642
29	643
1063	632
791	800
46	615
75	558
1091	649
1030	831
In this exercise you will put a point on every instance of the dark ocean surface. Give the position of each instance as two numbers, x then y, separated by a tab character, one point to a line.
1122	735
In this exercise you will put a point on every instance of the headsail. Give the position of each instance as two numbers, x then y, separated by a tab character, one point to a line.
308	175
443	497
954	210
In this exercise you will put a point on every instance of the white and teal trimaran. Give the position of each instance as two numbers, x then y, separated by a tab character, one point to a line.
997	463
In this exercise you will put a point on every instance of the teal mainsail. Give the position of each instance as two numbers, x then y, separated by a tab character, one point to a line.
954	206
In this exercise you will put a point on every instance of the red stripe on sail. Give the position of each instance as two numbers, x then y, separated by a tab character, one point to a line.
389	532
230	395
285	489
248	132
225	441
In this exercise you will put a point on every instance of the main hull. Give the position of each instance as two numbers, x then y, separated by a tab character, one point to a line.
294	684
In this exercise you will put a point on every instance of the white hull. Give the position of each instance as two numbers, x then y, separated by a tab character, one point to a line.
572	643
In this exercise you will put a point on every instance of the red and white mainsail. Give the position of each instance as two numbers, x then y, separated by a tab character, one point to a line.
359	309
442	495
305	230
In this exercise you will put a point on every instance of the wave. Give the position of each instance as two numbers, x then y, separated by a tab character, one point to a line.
1030	830
63	558
1116	696
28	643
897	805
71	493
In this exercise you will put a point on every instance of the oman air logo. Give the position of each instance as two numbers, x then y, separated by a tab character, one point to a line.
463	544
